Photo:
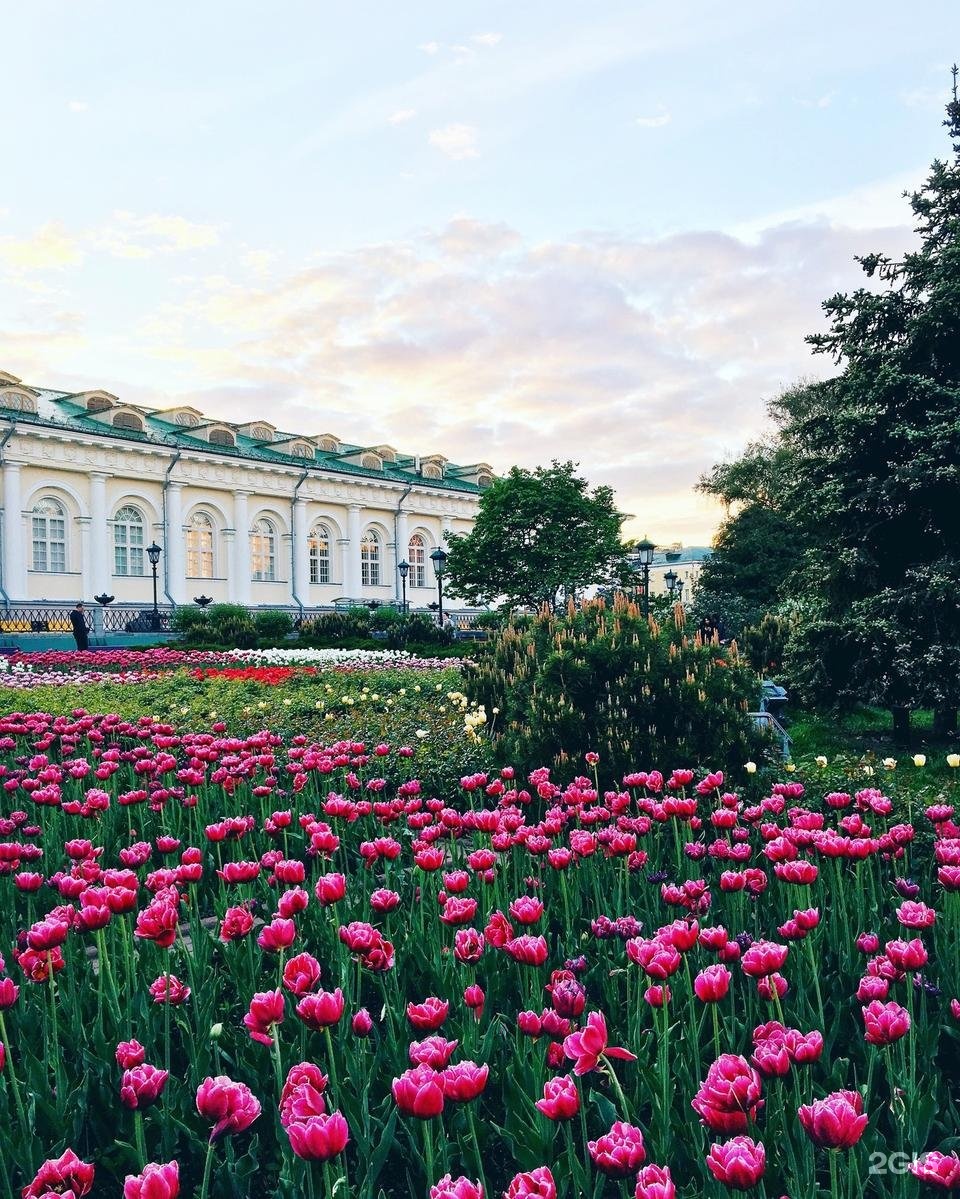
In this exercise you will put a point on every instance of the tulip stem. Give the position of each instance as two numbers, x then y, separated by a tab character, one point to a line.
832	1162
205	1185
18	1098
140	1138
428	1153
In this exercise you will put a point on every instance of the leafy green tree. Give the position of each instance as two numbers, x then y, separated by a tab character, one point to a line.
875	475
537	533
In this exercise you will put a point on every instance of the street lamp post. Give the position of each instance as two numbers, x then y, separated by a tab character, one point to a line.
671	580
439	560
645	550
153	553
679	591
404	569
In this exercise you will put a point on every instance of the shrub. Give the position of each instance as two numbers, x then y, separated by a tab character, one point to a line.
272	627
602	678
764	644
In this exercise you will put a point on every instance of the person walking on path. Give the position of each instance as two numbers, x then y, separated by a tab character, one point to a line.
78	618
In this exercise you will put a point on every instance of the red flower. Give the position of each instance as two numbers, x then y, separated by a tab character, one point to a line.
361	1025
728	1095
738	1163
561	1099
153	1182
835	1122
435	1052
419	1092
169	989
527	909
302	1095
906	955
158	921
763	958
142	1086
527	950
330	889
885	1023
464	1081
322	1009
319	1138
657	959
712	984
231	1106
277	935
620	1152
587	1046
60	1176
236	923
266	1010
535	1184
428	1015
940	1170
654	1182
130	1054
456	1188
301	974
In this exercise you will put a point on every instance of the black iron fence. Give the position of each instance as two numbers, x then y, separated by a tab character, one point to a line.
24	619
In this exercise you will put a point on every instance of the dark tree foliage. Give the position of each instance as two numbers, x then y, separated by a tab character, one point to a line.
537	532
874	483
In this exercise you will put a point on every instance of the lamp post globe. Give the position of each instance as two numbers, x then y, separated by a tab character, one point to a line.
439	560
153	554
670	578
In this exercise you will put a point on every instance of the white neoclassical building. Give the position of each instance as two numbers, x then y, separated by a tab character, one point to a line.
243	512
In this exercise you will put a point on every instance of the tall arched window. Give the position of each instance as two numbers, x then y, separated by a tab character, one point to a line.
370	559
320	554
128	541
263	551
50	536
200	547
417	557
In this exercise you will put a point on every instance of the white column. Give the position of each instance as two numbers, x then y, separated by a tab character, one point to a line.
175	544
400	550
98	556
301	552
89	582
446	526
241	548
226	564
14	567
351	564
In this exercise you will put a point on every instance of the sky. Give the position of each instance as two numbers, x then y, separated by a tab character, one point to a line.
505	232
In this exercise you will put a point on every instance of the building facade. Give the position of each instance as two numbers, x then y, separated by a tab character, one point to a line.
244	513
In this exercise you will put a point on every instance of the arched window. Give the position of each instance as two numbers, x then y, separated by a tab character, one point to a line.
371	462
319	542
370	559
222	437
417	557
263	552
128	541
128	420
50	536
186	420
200	547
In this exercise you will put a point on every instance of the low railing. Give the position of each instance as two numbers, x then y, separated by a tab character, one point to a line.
22	620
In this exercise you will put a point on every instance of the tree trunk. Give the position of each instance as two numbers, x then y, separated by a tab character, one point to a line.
944	722
901	725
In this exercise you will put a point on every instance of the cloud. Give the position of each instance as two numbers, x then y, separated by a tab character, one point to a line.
401	116
660	118
78	106
456	141
131	236
51	247
430	47
487	39
645	359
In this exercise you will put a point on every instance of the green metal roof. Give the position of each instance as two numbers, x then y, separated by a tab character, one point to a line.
59	409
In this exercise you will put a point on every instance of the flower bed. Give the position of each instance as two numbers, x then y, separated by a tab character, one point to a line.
157	660
258	966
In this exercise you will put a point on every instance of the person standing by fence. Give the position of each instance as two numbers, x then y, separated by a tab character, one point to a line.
78	619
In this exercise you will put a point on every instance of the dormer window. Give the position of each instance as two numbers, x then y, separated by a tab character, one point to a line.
259	432
222	437
431	470
301	449
186	420
99	404
15	399
484	481
386	453
128	420
328	443
371	462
